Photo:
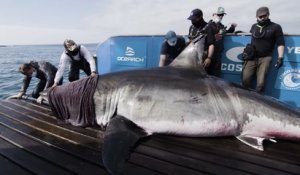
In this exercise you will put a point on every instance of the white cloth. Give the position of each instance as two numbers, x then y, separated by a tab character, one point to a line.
65	59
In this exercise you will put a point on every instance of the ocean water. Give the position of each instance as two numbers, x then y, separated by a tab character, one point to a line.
12	56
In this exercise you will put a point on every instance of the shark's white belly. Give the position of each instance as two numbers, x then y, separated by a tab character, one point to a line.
190	128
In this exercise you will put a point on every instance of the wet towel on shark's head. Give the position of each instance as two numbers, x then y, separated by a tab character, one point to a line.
73	102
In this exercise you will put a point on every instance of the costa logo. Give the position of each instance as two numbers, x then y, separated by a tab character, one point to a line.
290	79
235	54
233	63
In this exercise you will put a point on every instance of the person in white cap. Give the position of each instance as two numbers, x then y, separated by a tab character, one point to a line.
265	36
171	48
219	31
79	58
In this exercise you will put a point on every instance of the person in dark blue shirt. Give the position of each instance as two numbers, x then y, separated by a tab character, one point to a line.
171	48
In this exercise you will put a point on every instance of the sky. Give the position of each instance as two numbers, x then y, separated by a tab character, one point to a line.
94	21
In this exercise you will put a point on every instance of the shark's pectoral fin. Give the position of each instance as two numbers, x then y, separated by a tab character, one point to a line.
120	136
253	141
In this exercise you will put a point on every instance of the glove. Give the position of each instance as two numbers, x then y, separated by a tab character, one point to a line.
40	100
279	62
20	94
54	85
94	73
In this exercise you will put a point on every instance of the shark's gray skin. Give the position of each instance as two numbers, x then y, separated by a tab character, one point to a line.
183	100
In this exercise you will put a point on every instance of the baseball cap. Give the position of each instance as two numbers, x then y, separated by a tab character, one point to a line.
220	11
171	36
262	11
195	14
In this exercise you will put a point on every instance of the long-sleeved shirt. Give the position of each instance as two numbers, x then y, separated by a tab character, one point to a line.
45	71
265	37
65	60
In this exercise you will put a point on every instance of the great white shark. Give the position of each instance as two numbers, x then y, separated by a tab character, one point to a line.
181	99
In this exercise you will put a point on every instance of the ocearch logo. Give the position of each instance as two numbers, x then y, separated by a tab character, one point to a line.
129	51
233	55
129	56
291	79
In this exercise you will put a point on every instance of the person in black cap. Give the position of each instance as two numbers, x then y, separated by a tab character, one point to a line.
219	31
200	26
265	35
171	48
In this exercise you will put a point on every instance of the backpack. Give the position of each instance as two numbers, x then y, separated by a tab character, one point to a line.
249	52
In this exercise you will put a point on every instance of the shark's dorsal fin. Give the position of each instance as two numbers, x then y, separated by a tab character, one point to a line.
253	141
191	56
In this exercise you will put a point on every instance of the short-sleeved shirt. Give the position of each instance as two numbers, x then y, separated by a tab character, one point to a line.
265	38
172	52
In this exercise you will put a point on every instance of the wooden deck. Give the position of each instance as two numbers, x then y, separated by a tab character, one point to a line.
32	142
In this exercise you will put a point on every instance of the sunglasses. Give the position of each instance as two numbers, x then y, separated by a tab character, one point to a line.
220	14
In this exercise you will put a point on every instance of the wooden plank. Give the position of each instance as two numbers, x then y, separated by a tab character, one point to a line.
282	151
31	106
35	128
52	154
256	163
45	117
194	160
74	149
8	167
32	163
47	137
163	166
56	130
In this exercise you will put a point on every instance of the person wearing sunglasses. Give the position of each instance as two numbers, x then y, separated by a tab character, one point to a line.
265	36
219	31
